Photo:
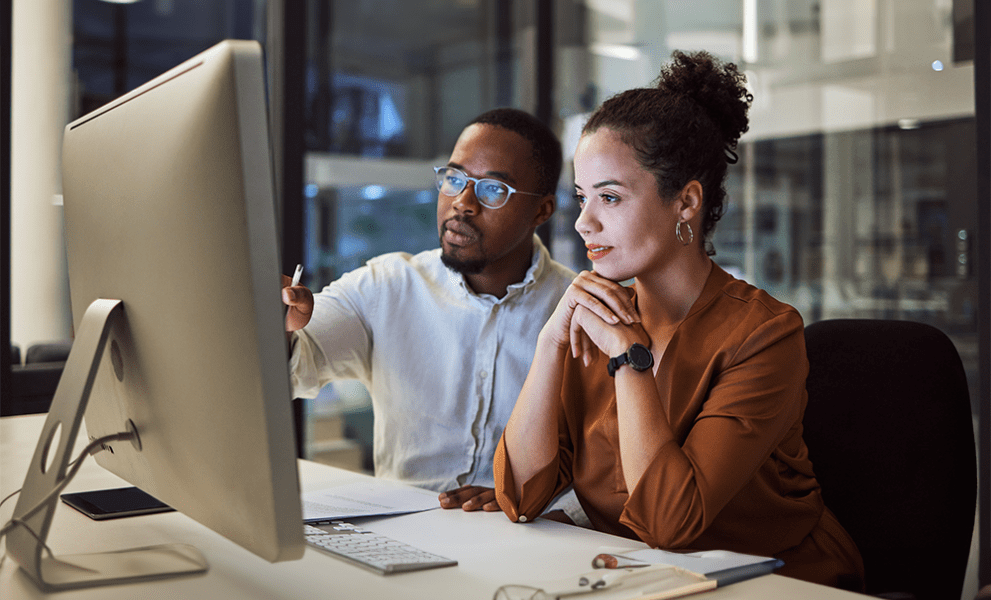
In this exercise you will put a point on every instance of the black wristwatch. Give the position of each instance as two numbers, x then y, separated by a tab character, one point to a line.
638	357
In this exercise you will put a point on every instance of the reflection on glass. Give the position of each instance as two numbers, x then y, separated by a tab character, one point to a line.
351	224
875	223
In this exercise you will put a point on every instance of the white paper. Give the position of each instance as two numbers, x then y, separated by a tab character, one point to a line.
366	499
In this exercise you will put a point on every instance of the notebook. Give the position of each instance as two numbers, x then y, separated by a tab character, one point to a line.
723	566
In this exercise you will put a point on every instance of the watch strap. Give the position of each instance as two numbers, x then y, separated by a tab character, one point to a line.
616	362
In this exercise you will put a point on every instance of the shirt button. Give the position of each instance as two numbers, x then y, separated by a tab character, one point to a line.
483	374
522	519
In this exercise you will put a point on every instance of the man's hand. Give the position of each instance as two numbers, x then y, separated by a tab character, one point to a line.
299	299
470	497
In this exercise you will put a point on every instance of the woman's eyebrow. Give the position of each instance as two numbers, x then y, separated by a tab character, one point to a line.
602	184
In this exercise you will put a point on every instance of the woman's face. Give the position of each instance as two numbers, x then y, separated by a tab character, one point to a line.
628	229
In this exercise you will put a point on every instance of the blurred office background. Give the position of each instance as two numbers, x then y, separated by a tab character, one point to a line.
856	194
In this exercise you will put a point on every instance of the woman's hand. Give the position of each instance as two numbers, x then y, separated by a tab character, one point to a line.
590	334
598	302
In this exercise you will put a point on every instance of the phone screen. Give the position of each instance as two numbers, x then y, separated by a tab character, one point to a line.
115	503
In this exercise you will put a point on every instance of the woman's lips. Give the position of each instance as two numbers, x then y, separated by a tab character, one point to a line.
597	252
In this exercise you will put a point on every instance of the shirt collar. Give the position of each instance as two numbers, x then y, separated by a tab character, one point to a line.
538	264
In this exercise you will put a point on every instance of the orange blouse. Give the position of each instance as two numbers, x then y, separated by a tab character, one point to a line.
738	477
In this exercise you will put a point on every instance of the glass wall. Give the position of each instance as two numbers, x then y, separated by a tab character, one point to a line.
117	47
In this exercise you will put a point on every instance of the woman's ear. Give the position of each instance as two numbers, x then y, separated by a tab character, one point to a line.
689	201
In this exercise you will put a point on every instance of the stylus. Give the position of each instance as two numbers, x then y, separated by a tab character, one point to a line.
297	275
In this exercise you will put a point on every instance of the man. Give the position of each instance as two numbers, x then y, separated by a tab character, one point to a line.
444	339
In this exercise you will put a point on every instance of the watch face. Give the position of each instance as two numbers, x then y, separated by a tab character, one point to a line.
640	357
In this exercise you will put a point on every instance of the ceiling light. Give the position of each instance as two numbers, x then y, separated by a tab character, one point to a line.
616	51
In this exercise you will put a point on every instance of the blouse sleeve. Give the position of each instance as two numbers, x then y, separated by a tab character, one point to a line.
752	403
538	491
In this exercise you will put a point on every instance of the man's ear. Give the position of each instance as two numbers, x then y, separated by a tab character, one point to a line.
689	201
545	209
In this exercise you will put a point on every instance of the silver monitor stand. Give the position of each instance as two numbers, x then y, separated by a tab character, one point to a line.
49	467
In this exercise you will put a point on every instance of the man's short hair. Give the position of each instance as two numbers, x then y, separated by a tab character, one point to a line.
546	147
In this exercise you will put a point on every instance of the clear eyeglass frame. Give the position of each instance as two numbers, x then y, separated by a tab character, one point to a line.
520	592
491	193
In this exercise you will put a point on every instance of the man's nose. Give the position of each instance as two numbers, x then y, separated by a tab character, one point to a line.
466	202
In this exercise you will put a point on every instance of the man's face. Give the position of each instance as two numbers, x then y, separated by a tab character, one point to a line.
474	237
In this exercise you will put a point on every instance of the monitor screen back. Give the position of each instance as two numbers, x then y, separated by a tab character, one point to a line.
168	200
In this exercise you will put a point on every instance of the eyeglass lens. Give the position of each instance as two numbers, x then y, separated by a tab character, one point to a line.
490	192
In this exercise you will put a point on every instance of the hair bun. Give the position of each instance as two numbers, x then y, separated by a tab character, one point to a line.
718	87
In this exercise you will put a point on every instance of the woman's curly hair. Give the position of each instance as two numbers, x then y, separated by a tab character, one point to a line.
685	128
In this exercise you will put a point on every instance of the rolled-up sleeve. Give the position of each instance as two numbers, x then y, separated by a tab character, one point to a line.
536	492
541	488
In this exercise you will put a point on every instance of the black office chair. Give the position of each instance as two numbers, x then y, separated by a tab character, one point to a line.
33	384
890	434
48	352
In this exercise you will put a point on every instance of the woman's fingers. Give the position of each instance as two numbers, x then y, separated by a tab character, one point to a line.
607	299
582	344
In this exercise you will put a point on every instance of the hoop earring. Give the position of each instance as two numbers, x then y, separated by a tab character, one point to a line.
677	233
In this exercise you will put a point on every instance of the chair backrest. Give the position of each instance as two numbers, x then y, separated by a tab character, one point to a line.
890	432
48	352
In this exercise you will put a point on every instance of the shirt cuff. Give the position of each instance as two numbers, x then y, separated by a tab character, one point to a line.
304	380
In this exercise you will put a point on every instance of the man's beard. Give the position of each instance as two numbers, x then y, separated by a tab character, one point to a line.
465	266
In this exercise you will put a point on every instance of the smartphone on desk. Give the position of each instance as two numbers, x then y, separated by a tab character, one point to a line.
115	503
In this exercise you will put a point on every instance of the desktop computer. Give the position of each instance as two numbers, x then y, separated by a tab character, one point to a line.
179	363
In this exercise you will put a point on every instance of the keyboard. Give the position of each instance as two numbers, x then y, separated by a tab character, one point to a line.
372	551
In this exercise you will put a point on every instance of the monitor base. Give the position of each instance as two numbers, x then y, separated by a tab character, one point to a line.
48	472
124	566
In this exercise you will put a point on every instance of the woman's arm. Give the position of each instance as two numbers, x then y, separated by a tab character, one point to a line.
643	425
531	435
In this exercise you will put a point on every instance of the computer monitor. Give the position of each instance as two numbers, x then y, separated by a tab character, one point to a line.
175	278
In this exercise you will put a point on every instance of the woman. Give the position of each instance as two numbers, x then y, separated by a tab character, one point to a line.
673	406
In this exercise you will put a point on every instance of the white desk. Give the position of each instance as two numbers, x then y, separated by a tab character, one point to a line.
491	551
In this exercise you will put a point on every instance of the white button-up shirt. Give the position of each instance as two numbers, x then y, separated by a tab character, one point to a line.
444	365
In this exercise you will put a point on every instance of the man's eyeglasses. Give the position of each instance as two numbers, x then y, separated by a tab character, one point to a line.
491	193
